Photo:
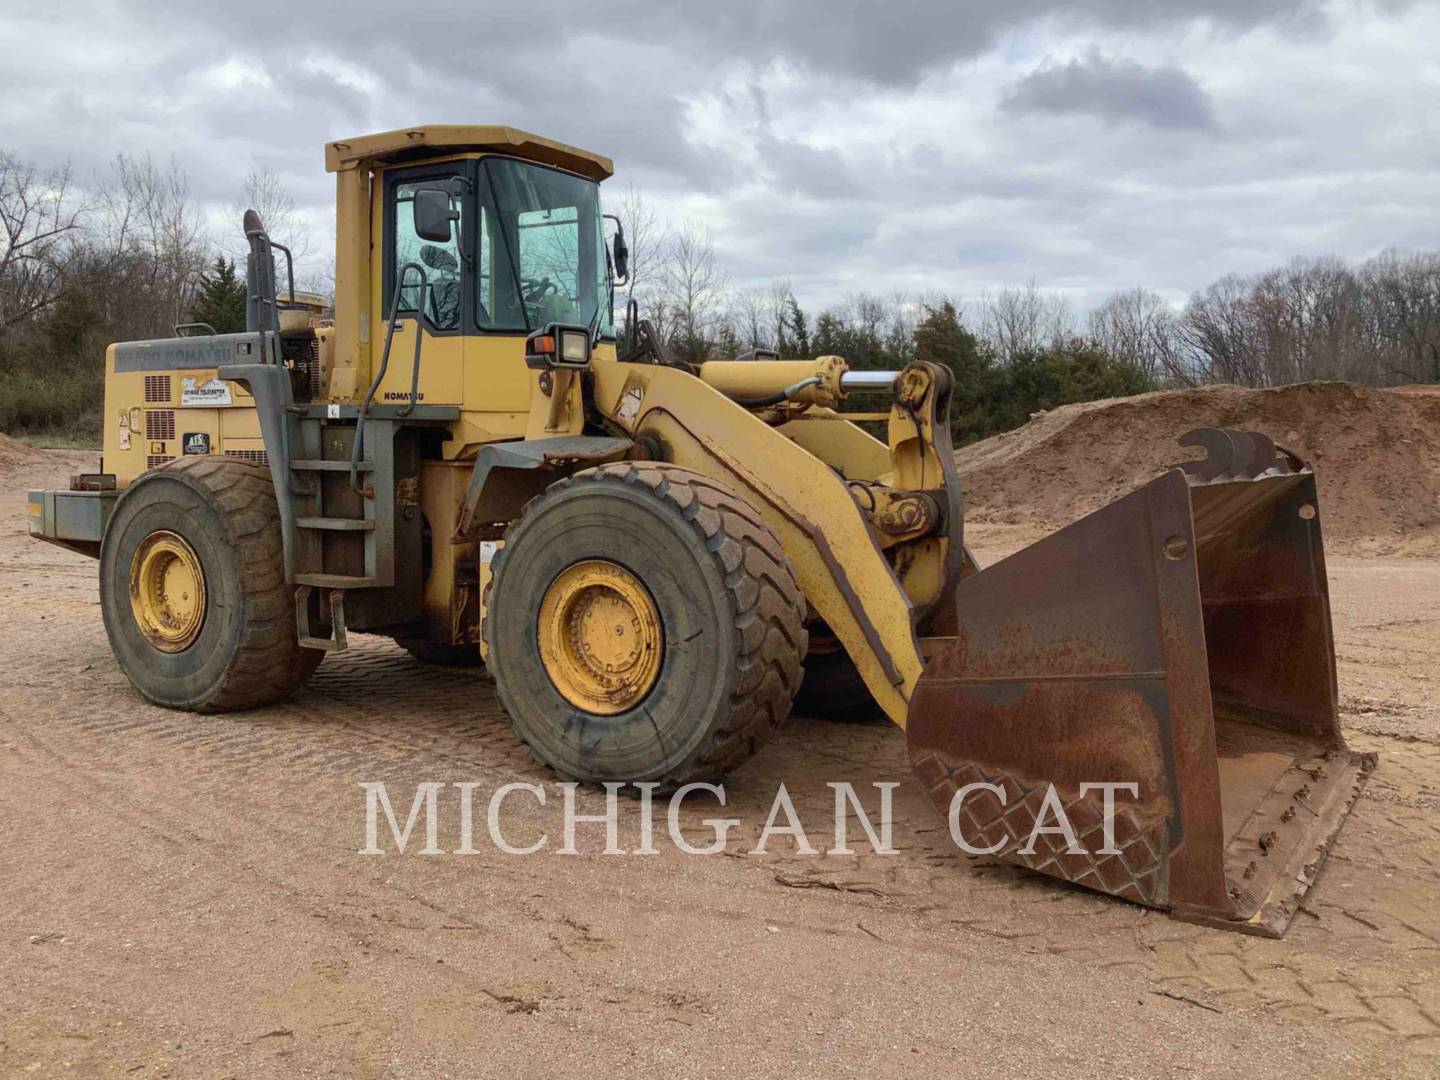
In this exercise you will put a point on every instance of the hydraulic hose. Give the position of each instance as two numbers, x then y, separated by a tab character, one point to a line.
777	398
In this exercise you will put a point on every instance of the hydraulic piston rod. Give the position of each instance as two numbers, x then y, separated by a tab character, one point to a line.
868	381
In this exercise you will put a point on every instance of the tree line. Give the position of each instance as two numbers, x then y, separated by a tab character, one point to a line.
127	255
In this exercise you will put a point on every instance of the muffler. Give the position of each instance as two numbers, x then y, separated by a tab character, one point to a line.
1171	655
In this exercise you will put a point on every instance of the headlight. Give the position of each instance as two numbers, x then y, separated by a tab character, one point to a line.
574	347
558	346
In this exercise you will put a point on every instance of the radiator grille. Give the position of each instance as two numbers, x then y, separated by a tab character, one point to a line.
154	461
303	355
160	424
157	388
260	457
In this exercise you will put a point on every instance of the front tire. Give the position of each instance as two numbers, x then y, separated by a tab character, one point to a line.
192	589
644	625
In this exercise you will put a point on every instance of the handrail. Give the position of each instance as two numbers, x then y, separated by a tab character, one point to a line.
357	448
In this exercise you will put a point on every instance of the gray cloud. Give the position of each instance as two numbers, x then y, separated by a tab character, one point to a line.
1115	89
842	144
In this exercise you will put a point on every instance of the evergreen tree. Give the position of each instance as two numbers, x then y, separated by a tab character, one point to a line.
799	333
942	339
220	298
827	335
727	345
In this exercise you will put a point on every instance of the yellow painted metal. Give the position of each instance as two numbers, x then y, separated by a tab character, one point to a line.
761	378
488	549
442	366
451	138
496	391
915	448
600	637
837	562
836	441
788	472
350	373
451	601
167	591
127	448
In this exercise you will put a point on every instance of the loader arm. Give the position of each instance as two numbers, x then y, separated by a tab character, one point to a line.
835	555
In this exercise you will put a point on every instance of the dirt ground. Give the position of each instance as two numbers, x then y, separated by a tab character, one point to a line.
182	895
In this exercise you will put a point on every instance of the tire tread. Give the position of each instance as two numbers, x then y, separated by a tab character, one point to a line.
767	609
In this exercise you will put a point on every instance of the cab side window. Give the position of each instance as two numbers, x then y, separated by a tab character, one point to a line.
441	261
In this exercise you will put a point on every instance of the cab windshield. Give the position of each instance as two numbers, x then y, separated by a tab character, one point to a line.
541	256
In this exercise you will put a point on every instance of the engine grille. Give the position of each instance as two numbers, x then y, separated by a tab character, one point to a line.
154	461
157	389
160	424
260	457
303	353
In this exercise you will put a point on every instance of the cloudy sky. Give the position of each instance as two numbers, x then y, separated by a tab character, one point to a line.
939	145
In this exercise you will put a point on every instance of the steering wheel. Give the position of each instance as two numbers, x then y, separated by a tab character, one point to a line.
537	289
534	289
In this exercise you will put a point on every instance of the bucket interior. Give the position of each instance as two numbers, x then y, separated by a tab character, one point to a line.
1286	778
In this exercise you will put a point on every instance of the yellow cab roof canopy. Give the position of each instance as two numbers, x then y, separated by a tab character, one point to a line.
429	140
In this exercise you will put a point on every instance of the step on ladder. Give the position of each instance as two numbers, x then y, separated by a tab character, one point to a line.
318	474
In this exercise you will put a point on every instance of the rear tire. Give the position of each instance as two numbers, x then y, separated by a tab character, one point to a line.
834	690
705	578
244	652
442	654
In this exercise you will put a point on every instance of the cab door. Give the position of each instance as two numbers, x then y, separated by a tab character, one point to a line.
435	305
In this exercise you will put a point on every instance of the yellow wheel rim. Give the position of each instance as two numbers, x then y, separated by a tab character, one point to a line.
601	638
167	591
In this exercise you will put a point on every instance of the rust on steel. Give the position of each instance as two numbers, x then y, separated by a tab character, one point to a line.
1179	639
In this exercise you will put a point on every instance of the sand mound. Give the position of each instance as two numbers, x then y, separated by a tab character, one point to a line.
15	452
1376	454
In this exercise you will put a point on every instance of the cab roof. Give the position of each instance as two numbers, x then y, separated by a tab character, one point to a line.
409	144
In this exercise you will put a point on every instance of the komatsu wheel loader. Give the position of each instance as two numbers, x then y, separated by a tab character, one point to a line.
647	554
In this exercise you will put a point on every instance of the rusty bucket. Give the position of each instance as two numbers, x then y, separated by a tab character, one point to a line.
1178	640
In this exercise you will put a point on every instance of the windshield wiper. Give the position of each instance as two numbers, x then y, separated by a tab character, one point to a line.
509	251
593	326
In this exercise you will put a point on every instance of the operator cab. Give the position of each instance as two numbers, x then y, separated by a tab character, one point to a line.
453	245
529	249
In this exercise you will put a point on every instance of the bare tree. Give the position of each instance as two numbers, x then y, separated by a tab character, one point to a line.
1019	320
752	317
152	242
782	307
1401	293
1217	329
267	195
1138	326
693	286
647	238
38	220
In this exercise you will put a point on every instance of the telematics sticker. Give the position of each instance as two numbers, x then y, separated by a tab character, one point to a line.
214	393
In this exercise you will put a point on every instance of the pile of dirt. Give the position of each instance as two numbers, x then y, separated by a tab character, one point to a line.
14	452
1376	455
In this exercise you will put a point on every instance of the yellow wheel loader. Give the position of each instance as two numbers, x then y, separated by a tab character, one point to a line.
647	554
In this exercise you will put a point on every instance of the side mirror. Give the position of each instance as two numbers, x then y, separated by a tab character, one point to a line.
433	215
622	256
620	252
